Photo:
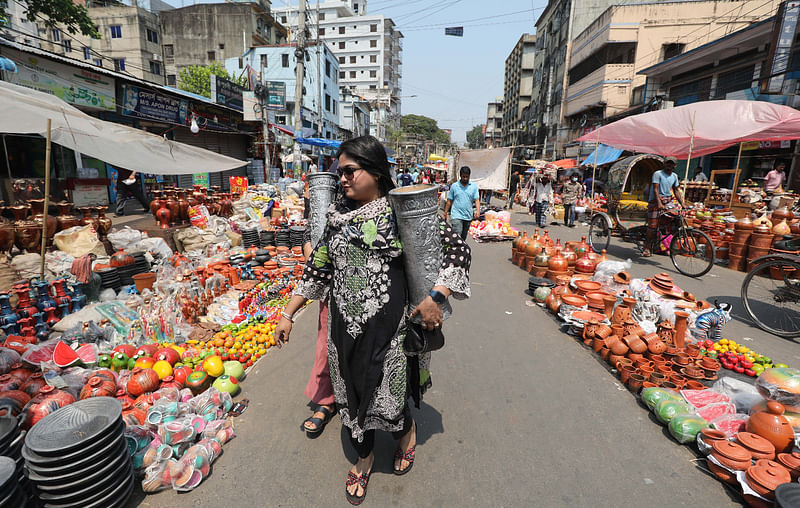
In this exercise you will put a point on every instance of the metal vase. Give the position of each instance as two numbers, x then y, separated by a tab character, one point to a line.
321	191
416	210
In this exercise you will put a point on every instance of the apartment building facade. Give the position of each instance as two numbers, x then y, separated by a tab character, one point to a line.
494	124
518	88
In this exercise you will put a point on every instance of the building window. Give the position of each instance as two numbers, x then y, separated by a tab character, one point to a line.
327	67
327	102
352	74
373	74
334	107
733	81
169	53
373	43
672	49
155	67
67	46
171	80
56	34
283	19
373	58
355	8
341	74
342	60
211	56
221	45
322	31
373	87
341	45
373	28
341	30
285	60
116	31
87	53
98	62
152	36
352	59
119	64
322	16
263	61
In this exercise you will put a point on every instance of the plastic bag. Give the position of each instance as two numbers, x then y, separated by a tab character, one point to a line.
652	396
108	295
157	476
667	409
717	410
78	241
701	398
742	394
124	238
684	428
782	385
730	424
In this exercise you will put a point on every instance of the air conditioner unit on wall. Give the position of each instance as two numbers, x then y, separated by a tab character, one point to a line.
157	57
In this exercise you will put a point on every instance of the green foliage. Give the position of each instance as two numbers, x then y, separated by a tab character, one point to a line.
62	14
475	137
423	126
197	78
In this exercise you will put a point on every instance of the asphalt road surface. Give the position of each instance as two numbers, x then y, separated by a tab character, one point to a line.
520	414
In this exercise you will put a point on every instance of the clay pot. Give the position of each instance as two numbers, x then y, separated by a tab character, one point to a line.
622	363
142	381
103	222
781	228
625	373
163	214
764	479
791	461
598	343
773	426
121	258
33	384
634	356
635	382
172	205
619	348
47	401
615	360
635	344
98	387
553	301
133	415
758	446
694	371
693	350
585	264
183	206
679	335
731	455
574	300
622	312
656	347
669	385
658	378
558	263
605	353
691	384
65	219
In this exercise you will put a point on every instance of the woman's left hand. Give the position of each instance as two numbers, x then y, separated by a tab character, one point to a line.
430	312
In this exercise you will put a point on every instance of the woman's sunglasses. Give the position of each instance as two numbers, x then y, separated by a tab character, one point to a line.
348	171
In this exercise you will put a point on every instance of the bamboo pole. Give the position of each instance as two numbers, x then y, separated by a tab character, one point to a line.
46	196
594	164
735	175
5	151
691	147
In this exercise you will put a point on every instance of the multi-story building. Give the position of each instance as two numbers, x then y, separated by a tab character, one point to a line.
494	124
277	63
16	26
518	88
130	39
354	115
603	84
201	34
369	49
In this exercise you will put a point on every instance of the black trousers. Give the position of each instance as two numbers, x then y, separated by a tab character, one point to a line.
364	448
569	217
126	192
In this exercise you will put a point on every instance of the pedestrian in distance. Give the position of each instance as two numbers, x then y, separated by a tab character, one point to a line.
129	187
775	178
358	267
460	199
699	175
405	179
542	199
513	186
664	196
571	192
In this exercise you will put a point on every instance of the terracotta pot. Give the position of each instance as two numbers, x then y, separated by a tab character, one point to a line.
558	263
619	348
33	384
585	264
691	384
121	258
670	385
694	371
574	300
622	312
163	214
731	455
614	360
98	387
635	382
657	359
183	206
635	344
626	372
133	415
608	305
605	353
679	337
773	426
634	356
791	461
142	381
781	228
172	205
648	384
658	378
47	401
622	363
765	479
103	222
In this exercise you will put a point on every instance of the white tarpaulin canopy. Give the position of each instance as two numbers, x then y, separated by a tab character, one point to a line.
25	111
290	158
489	167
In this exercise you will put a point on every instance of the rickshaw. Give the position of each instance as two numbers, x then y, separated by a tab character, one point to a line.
691	250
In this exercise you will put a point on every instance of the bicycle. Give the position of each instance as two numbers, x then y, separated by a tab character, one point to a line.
771	294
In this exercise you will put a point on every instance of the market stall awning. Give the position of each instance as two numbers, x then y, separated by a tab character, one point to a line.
7	65
290	158
604	155
707	126
321	142
434	157
25	111
392	160
566	163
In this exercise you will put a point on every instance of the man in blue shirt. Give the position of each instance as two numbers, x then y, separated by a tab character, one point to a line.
460	199
405	179
662	197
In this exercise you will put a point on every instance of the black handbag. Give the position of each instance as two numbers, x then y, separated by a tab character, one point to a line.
419	340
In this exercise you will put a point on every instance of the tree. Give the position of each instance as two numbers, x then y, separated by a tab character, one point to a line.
425	127
62	14
475	137
197	78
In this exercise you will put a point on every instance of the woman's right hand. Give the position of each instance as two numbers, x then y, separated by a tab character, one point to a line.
282	331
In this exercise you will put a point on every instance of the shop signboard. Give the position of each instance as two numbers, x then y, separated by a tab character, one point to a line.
226	92
755	145
200	179
782	39
89	195
238	184
148	105
77	86
276	95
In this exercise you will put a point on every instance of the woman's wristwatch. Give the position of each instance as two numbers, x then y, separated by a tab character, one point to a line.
438	297
288	316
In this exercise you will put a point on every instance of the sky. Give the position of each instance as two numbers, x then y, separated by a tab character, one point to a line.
454	78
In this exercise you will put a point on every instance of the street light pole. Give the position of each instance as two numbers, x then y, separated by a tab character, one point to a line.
300	57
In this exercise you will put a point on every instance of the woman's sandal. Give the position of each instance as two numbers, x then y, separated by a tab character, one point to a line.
319	423
352	479
408	457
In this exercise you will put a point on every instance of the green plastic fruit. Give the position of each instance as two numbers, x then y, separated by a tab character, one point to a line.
234	369
226	383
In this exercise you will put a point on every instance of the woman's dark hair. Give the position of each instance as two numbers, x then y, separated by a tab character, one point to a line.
370	155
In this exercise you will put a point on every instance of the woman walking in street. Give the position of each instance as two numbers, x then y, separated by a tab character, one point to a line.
358	266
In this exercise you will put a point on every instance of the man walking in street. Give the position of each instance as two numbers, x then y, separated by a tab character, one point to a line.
512	189
571	192
128	187
664	194
405	178
775	178
699	175
542	198
460	200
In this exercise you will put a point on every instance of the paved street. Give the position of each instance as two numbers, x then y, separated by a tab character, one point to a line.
520	415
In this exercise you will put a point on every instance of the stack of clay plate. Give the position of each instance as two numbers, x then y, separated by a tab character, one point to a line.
11	492
77	456
663	285
11	447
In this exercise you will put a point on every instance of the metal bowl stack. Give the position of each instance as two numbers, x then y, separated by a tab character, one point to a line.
77	456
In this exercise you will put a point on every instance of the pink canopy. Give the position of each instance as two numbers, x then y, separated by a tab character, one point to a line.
717	125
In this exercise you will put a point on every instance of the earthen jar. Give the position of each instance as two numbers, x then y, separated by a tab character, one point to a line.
773	426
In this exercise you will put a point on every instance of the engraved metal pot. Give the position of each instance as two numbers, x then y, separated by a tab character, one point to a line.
416	210
321	191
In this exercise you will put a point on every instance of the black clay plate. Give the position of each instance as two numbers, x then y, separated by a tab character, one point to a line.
8	430
104	442
14	500
8	471
81	499
84	467
73	426
121	500
7	493
107	466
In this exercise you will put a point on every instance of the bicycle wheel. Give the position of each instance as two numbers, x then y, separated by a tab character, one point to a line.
771	297
691	252
599	233
638	236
